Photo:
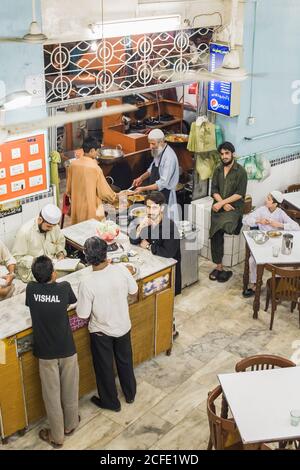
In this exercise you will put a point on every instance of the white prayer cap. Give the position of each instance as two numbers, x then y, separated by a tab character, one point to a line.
278	196
51	214
156	134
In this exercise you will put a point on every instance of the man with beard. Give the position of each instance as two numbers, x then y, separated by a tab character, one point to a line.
228	190
37	237
163	173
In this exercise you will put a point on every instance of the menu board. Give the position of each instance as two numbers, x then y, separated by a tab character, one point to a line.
23	167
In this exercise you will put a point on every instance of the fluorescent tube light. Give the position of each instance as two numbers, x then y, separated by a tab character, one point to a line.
136	26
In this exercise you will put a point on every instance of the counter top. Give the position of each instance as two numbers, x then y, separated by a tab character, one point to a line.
15	316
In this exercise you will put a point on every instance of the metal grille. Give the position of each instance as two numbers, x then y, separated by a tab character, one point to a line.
123	65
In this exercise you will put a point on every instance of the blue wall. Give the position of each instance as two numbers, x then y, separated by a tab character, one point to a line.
19	60
276	53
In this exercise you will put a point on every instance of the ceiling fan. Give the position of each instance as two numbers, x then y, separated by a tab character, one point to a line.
34	35
9	131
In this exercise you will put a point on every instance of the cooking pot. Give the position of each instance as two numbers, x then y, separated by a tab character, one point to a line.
110	181
110	154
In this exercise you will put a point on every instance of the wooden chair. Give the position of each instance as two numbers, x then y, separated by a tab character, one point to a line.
224	434
262	362
283	285
293	188
293	214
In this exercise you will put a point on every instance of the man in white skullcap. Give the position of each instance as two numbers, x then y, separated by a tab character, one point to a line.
265	218
163	173
38	236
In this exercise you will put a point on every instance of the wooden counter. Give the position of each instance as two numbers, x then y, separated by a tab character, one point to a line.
20	390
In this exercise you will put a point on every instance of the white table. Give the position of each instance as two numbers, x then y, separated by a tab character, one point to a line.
262	255
293	199
261	401
78	234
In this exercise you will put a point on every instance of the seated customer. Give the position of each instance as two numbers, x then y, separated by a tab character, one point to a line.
53	345
228	190
9	286
39	236
102	297
267	217
159	234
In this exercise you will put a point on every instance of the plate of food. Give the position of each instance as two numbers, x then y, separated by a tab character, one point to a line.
136	198
177	138
131	268
139	211
274	233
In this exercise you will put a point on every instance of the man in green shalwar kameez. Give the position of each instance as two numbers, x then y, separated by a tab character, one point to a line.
228	190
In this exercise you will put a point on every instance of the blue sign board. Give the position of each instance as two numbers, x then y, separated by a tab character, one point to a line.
219	93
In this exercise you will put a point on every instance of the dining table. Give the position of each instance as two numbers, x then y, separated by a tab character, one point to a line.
263	254
261	403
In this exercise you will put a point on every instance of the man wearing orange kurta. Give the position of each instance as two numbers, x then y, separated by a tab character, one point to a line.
87	186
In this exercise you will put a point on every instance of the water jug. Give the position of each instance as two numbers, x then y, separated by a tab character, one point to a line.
287	243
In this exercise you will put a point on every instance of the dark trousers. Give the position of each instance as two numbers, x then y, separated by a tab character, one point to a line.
104	350
217	246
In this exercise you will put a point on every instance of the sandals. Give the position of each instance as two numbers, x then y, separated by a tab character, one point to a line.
44	434
214	275
224	276
69	433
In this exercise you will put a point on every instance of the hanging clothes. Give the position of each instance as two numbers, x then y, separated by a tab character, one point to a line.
54	178
202	138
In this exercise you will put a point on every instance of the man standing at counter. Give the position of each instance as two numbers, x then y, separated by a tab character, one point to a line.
87	186
39	236
102	297
228	189
163	173
54	346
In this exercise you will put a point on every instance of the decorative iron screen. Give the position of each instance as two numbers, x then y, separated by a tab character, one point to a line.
123	65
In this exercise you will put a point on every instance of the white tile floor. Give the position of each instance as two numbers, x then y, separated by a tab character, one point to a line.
216	330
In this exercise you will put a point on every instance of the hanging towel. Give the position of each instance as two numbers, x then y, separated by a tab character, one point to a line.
206	162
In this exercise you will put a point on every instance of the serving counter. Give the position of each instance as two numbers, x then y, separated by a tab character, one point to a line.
151	316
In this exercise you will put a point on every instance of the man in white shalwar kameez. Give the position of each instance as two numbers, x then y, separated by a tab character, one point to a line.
267	217
39	236
163	173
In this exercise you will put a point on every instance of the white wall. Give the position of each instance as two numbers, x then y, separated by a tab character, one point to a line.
68	19
282	175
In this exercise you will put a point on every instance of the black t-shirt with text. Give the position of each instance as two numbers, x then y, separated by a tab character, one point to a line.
52	334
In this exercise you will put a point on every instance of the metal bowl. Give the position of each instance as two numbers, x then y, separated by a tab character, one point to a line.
110	154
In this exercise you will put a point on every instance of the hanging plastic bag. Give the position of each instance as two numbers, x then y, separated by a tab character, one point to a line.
251	167
264	166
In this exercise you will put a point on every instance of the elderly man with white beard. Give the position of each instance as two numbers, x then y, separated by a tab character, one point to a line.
163	173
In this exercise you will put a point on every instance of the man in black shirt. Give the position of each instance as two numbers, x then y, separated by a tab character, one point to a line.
54	347
160	235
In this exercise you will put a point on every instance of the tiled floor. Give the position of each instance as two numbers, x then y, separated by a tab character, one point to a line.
216	330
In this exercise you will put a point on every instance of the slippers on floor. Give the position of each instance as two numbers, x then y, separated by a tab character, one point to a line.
224	276
69	433
44	434
214	275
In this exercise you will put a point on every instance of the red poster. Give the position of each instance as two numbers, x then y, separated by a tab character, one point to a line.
23	167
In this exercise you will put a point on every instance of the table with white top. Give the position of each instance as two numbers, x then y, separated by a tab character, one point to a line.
261	402
262	255
293	199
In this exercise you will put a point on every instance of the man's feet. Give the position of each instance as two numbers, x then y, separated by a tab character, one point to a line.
96	400
214	275
129	400
69	433
224	276
44	434
175	334
248	293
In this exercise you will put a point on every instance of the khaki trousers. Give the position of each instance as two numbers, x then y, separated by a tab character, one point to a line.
60	384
